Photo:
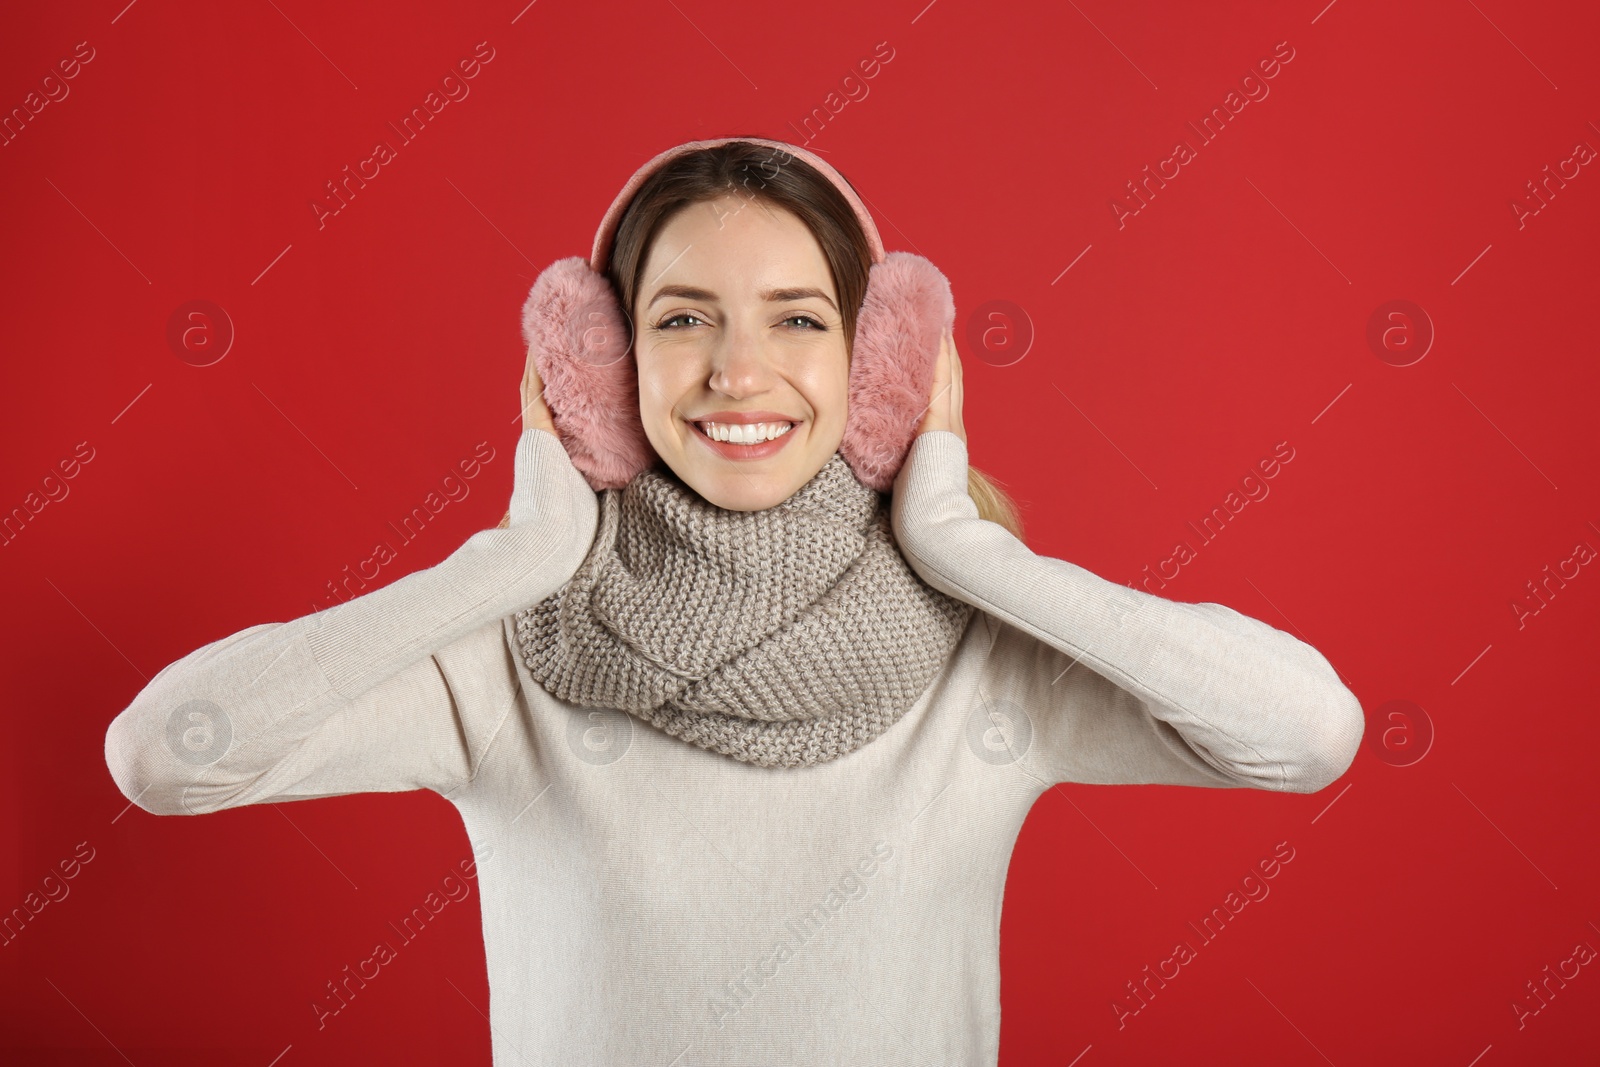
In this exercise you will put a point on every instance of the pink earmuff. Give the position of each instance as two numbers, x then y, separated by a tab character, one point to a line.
574	325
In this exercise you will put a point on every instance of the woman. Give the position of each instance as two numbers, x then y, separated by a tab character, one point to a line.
742	743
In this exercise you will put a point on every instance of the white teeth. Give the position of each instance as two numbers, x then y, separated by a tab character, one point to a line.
744	434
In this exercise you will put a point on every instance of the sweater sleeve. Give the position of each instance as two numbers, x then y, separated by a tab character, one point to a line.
401	688
1098	682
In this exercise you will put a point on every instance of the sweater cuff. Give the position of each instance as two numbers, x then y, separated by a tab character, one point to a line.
936	463
543	477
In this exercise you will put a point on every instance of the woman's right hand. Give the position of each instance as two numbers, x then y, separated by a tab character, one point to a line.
535	412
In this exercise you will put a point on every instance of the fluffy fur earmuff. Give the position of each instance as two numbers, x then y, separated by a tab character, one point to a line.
907	310
581	348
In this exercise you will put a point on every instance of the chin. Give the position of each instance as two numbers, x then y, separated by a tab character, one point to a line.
740	494
738	486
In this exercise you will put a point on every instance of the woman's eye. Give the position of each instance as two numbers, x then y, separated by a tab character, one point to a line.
667	323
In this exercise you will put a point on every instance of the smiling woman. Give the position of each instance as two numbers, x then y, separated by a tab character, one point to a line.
751	743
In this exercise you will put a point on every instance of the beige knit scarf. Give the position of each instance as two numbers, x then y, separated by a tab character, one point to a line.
783	637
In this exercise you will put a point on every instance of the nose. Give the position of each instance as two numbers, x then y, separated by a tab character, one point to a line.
739	364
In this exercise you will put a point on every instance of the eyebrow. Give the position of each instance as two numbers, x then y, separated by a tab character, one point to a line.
690	292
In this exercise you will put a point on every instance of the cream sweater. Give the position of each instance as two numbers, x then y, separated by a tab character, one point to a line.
646	901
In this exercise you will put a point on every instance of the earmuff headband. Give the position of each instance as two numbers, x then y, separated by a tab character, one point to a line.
579	337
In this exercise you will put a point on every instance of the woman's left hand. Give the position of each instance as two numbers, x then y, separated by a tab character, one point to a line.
944	408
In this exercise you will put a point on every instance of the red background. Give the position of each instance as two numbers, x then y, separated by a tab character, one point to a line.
1230	314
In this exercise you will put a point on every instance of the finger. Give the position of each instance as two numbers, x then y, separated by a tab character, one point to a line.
957	393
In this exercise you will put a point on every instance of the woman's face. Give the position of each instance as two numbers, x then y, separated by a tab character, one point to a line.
736	315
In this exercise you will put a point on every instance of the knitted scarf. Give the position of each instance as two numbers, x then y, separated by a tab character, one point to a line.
783	637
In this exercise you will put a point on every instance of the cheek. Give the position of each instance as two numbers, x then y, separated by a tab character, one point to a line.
837	388
658	392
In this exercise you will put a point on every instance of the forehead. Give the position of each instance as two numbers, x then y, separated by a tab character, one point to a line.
742	241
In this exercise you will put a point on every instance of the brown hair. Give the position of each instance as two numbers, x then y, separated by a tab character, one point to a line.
764	173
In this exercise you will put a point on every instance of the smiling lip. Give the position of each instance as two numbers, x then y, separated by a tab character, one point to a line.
731	450
745	417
